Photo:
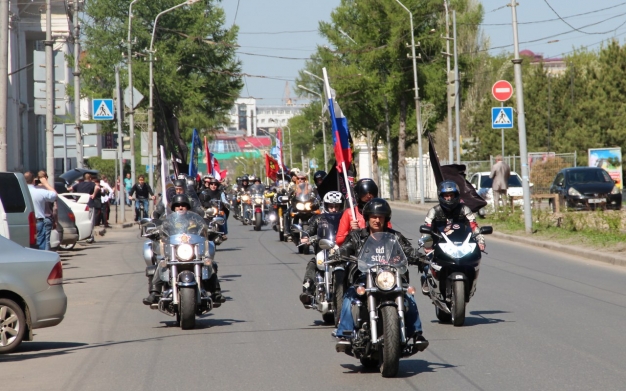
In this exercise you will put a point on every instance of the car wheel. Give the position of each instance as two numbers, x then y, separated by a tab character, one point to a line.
67	247
12	325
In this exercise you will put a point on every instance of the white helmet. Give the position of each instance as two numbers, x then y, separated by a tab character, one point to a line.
333	197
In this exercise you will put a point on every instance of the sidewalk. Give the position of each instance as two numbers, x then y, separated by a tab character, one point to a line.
596	255
115	217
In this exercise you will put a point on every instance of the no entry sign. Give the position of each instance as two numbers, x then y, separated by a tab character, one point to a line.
502	90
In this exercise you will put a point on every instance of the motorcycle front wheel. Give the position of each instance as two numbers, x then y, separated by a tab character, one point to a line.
391	342
458	303
337	298
187	308
258	221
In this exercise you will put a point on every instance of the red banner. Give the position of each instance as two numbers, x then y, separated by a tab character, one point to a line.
271	167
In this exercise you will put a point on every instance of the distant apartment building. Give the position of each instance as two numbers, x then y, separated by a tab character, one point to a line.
554	66
246	117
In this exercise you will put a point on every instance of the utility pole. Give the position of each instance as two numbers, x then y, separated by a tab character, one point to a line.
118	89
521	123
49	94
449	89
4	80
457	84
131	111
80	162
389	159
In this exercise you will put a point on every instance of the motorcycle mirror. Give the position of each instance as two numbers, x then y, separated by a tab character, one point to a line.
424	229
297	227
486	230
145	221
326	244
218	220
426	242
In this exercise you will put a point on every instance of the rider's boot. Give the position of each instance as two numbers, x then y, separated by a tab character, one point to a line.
306	297
425	287
213	286
155	293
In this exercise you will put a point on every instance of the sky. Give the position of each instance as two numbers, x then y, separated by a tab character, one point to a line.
288	29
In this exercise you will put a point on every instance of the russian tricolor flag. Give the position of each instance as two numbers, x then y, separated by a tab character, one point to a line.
340	132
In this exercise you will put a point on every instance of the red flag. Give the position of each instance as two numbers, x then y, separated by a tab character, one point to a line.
271	167
223	174
207	154
215	166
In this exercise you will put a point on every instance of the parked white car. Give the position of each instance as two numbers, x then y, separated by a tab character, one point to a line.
78	203
482	184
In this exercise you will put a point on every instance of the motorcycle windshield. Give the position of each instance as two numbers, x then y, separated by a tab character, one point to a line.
189	223
327	226
257	189
457	240
382	249
303	192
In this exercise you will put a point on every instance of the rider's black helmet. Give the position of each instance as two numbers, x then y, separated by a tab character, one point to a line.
180	199
378	207
319	176
365	186
449	187
180	183
244	178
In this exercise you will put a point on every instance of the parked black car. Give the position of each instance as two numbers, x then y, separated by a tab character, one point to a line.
68	178
586	188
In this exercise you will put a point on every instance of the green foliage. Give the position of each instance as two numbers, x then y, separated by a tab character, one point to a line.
196	73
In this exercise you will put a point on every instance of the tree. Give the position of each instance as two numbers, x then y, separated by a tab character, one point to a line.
196	74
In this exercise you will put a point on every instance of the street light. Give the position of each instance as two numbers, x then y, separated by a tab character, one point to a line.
418	114
131	114
151	82
323	123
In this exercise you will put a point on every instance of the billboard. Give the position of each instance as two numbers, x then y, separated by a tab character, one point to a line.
610	159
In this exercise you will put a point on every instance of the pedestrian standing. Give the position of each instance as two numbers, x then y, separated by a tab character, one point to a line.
500	173
128	184
107	195
41	195
89	187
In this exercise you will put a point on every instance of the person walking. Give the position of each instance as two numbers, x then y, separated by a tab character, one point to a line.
41	196
128	184
88	186
106	196
500	173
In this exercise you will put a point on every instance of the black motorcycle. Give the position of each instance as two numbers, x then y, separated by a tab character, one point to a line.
215	217
304	204
380	337
281	206
453	268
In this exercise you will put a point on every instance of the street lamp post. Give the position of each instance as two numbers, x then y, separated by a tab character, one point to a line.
151	82
131	103
418	114
323	124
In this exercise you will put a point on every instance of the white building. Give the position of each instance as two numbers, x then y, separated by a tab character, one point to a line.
246	116
26	140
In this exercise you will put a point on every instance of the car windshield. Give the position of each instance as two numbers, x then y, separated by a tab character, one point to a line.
189	223
588	176
382	249
514	181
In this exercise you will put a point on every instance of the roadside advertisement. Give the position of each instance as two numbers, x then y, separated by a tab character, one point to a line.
610	159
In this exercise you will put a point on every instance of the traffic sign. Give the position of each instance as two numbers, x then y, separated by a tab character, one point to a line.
501	117
502	90
137	97
102	109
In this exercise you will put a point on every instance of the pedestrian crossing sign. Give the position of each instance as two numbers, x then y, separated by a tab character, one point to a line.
501	117
102	109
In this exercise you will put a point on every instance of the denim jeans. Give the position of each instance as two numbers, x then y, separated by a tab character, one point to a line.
145	207
411	315
44	228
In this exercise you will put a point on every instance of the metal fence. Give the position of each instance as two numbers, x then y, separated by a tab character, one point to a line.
412	169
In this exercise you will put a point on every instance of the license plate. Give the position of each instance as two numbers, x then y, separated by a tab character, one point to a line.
595	201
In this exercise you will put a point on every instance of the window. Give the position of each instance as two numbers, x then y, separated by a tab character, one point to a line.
11	194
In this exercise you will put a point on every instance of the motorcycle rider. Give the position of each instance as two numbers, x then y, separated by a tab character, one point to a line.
212	191
180	186
245	183
449	211
377	214
181	206
364	190
333	203
318	177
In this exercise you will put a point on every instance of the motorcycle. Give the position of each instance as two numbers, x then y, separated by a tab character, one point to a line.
257	210
244	207
186	264
304	205
281	205
215	217
453	268
329	277
379	309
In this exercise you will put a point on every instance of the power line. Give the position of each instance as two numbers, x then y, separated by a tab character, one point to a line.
575	28
281	57
278	32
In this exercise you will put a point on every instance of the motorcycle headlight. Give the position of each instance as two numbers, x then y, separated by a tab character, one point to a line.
212	211
308	205
385	280
258	201
615	190
184	252
573	192
245	198
300	206
457	251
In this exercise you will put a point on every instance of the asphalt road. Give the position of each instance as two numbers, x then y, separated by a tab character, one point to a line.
539	321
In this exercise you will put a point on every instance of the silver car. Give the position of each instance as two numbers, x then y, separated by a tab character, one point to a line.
31	293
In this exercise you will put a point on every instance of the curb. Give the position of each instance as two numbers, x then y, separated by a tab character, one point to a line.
604	257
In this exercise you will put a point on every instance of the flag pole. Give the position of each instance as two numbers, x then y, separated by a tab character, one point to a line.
345	177
163	178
